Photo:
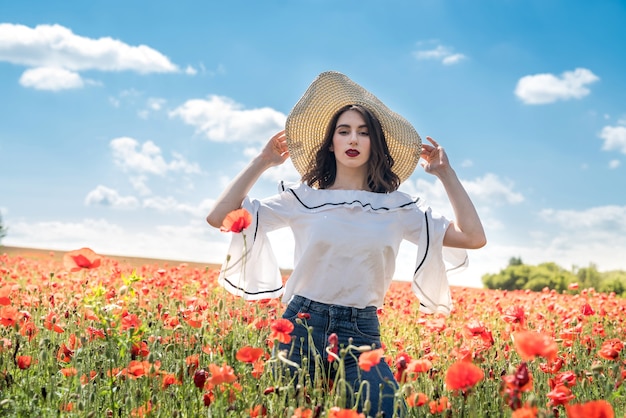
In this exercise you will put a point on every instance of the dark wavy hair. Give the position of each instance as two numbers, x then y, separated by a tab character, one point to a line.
380	176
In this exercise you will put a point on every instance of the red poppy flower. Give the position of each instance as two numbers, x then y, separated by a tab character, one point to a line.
84	258
137	368
530	344
258	367
302	413
140	349
592	409
28	329
24	362
560	395
611	349
236	221
249	354
258	411
371	358
515	315
564	378
416	399
587	310
95	333
281	328
333	341
525	411
130	321
223	374
475	328
65	354
69	371
5	291
9	315
520	381
421	365
169	379
51	323
440	405
463	375
336	412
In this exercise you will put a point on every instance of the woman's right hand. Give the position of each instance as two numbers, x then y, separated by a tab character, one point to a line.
275	151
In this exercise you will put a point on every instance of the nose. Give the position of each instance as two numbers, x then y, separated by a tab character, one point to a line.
353	138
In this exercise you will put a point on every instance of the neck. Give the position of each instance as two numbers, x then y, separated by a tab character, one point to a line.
352	181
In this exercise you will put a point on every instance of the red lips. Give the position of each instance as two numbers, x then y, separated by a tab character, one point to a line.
352	153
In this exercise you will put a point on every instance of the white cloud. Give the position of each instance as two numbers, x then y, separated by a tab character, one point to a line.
195	241
589	222
221	119
486	190
189	70
453	59
153	104
56	55
467	163
613	164
285	172
592	235
437	52
50	78
156	103
614	138
490	188
170	204
57	46
148	158
548	88
139	183
105	196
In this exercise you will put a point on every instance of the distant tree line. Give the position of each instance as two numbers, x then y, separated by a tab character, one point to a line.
518	275
3	230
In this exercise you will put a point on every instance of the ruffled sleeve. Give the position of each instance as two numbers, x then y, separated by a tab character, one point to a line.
434	262
251	269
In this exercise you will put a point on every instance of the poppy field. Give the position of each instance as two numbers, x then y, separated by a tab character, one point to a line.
93	337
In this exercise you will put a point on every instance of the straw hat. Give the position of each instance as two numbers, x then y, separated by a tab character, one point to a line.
307	123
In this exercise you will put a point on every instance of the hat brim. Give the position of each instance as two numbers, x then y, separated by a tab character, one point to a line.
307	122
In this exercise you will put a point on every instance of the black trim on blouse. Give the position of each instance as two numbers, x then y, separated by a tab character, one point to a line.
412	202
251	293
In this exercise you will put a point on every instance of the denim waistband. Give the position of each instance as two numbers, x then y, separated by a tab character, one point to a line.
308	305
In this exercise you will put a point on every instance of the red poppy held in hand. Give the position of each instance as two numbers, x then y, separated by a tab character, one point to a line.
236	221
84	258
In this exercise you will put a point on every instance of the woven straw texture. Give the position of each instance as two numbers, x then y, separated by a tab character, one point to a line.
307	122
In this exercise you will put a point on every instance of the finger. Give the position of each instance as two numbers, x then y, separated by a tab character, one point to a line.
432	141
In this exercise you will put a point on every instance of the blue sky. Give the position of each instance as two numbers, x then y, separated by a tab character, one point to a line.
122	121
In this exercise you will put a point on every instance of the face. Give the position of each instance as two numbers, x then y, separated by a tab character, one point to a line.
351	142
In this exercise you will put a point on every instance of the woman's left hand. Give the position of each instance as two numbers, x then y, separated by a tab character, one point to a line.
434	157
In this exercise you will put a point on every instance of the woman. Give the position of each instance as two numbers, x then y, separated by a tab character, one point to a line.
348	221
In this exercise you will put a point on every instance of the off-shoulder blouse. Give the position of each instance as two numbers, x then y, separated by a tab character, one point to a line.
346	244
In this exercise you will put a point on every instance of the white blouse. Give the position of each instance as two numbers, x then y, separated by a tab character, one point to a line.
346	243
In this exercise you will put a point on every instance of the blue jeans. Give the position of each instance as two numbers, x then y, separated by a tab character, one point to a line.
313	323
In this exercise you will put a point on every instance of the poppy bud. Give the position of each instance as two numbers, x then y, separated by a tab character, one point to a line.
199	378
